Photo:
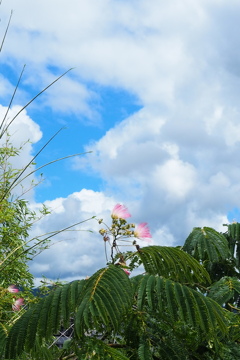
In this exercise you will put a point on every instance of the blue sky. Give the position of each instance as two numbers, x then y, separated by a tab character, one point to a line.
153	95
113	106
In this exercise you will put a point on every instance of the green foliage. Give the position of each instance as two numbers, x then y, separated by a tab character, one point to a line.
3	336
98	303
173	263
44	317
233	237
227	289
176	302
15	221
215	251
206	244
230	351
104	301
144	351
98	350
146	317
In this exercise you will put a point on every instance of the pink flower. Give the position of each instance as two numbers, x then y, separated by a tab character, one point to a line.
17	305
127	272
142	232
120	212
12	289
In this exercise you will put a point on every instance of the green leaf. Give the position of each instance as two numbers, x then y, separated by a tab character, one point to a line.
144	352
207	244
105	299
3	336
43	319
173	263
96	349
225	289
176	302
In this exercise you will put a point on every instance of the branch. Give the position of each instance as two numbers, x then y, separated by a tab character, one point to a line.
119	346
71	356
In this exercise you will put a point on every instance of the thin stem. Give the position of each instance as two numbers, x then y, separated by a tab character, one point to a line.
49	163
71	356
10	103
42	91
39	242
56	242
6	31
113	245
30	162
62	334
105	250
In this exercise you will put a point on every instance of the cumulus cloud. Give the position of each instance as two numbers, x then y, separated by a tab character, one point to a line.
174	162
179	179
147	48
78	251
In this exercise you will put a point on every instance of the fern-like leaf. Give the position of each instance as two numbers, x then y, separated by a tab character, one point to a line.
225	289
3	336
42	319
105	299
207	244
98	350
173	263
177	302
144	352
102	300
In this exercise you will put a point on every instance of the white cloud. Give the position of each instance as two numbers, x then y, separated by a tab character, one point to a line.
78	251
175	177
137	46
175	162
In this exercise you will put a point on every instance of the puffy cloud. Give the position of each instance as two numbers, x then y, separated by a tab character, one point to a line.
21	129
176	174
153	50
175	162
175	177
78	251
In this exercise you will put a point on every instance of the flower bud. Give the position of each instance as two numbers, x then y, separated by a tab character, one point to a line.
102	231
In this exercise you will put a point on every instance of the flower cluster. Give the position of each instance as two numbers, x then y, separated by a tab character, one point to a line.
19	302
121	231
142	232
13	289
120	212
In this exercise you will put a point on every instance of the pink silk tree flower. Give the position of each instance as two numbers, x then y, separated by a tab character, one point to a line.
120	212
17	305
142	232
127	272
12	289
